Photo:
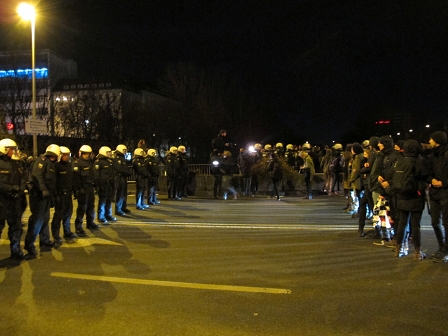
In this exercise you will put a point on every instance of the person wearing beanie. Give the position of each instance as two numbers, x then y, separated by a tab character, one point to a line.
399	146
439	137
383	171
438	192
355	175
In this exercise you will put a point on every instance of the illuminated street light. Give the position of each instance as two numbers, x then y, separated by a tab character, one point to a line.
28	13
410	130
427	126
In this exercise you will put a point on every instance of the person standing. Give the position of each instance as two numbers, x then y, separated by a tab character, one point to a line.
41	195
84	186
307	168
215	170
227	168
63	205
141	178
245	163
105	181
12	186
122	171
153	179
275	172
172	173
438	191
183	171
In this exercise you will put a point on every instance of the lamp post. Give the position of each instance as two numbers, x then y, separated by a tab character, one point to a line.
27	12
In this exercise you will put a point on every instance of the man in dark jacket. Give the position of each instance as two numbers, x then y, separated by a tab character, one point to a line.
438	192
122	171
383	171
105	181
12	186
42	193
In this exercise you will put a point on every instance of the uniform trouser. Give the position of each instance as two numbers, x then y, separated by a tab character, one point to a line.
122	193
140	186
38	221
247	180
274	189
413	218
173	181
12	213
440	209
86	205
153	184
254	184
334	181
105	199
217	186
63	210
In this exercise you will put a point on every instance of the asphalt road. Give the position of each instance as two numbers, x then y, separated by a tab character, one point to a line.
254	266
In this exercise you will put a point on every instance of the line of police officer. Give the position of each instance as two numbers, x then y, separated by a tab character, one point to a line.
54	181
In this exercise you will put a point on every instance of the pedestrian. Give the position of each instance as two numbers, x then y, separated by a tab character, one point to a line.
141	178
122	171
63	205
307	169
12	186
84	187
153	180
183	172
42	190
275	172
105	182
438	191
227	170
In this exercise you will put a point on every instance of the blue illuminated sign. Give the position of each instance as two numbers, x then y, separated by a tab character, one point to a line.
40	73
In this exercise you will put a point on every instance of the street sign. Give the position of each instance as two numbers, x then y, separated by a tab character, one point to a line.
36	126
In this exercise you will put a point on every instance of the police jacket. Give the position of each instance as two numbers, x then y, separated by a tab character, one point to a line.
83	174
138	163
64	175
43	175
12	178
438	169
183	163
172	164
103	170
152	166
120	165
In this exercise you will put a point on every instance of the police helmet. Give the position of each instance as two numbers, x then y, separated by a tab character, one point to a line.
5	144
53	150
106	151
65	150
139	152
121	149
290	147
181	149
173	149
85	149
152	152
338	146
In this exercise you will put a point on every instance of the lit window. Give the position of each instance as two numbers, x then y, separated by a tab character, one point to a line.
64	98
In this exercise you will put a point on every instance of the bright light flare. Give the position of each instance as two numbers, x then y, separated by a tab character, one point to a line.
26	11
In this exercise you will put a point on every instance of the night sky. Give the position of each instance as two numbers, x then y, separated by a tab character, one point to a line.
317	66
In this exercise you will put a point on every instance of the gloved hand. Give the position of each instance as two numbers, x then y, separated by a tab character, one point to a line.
45	194
15	189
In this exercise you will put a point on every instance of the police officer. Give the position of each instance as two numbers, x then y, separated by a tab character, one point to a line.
122	172
183	171
42	190
105	181
141	178
63	205
153	179
12	186
172	173
84	186
290	155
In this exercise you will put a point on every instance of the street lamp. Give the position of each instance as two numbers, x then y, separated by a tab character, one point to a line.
28	13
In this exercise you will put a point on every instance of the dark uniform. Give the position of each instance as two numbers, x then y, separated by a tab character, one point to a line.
183	175
105	181
63	205
153	179
12	186
122	171
41	194
84	185
141	180
172	173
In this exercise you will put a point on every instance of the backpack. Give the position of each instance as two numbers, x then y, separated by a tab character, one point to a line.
277	171
404	178
336	164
